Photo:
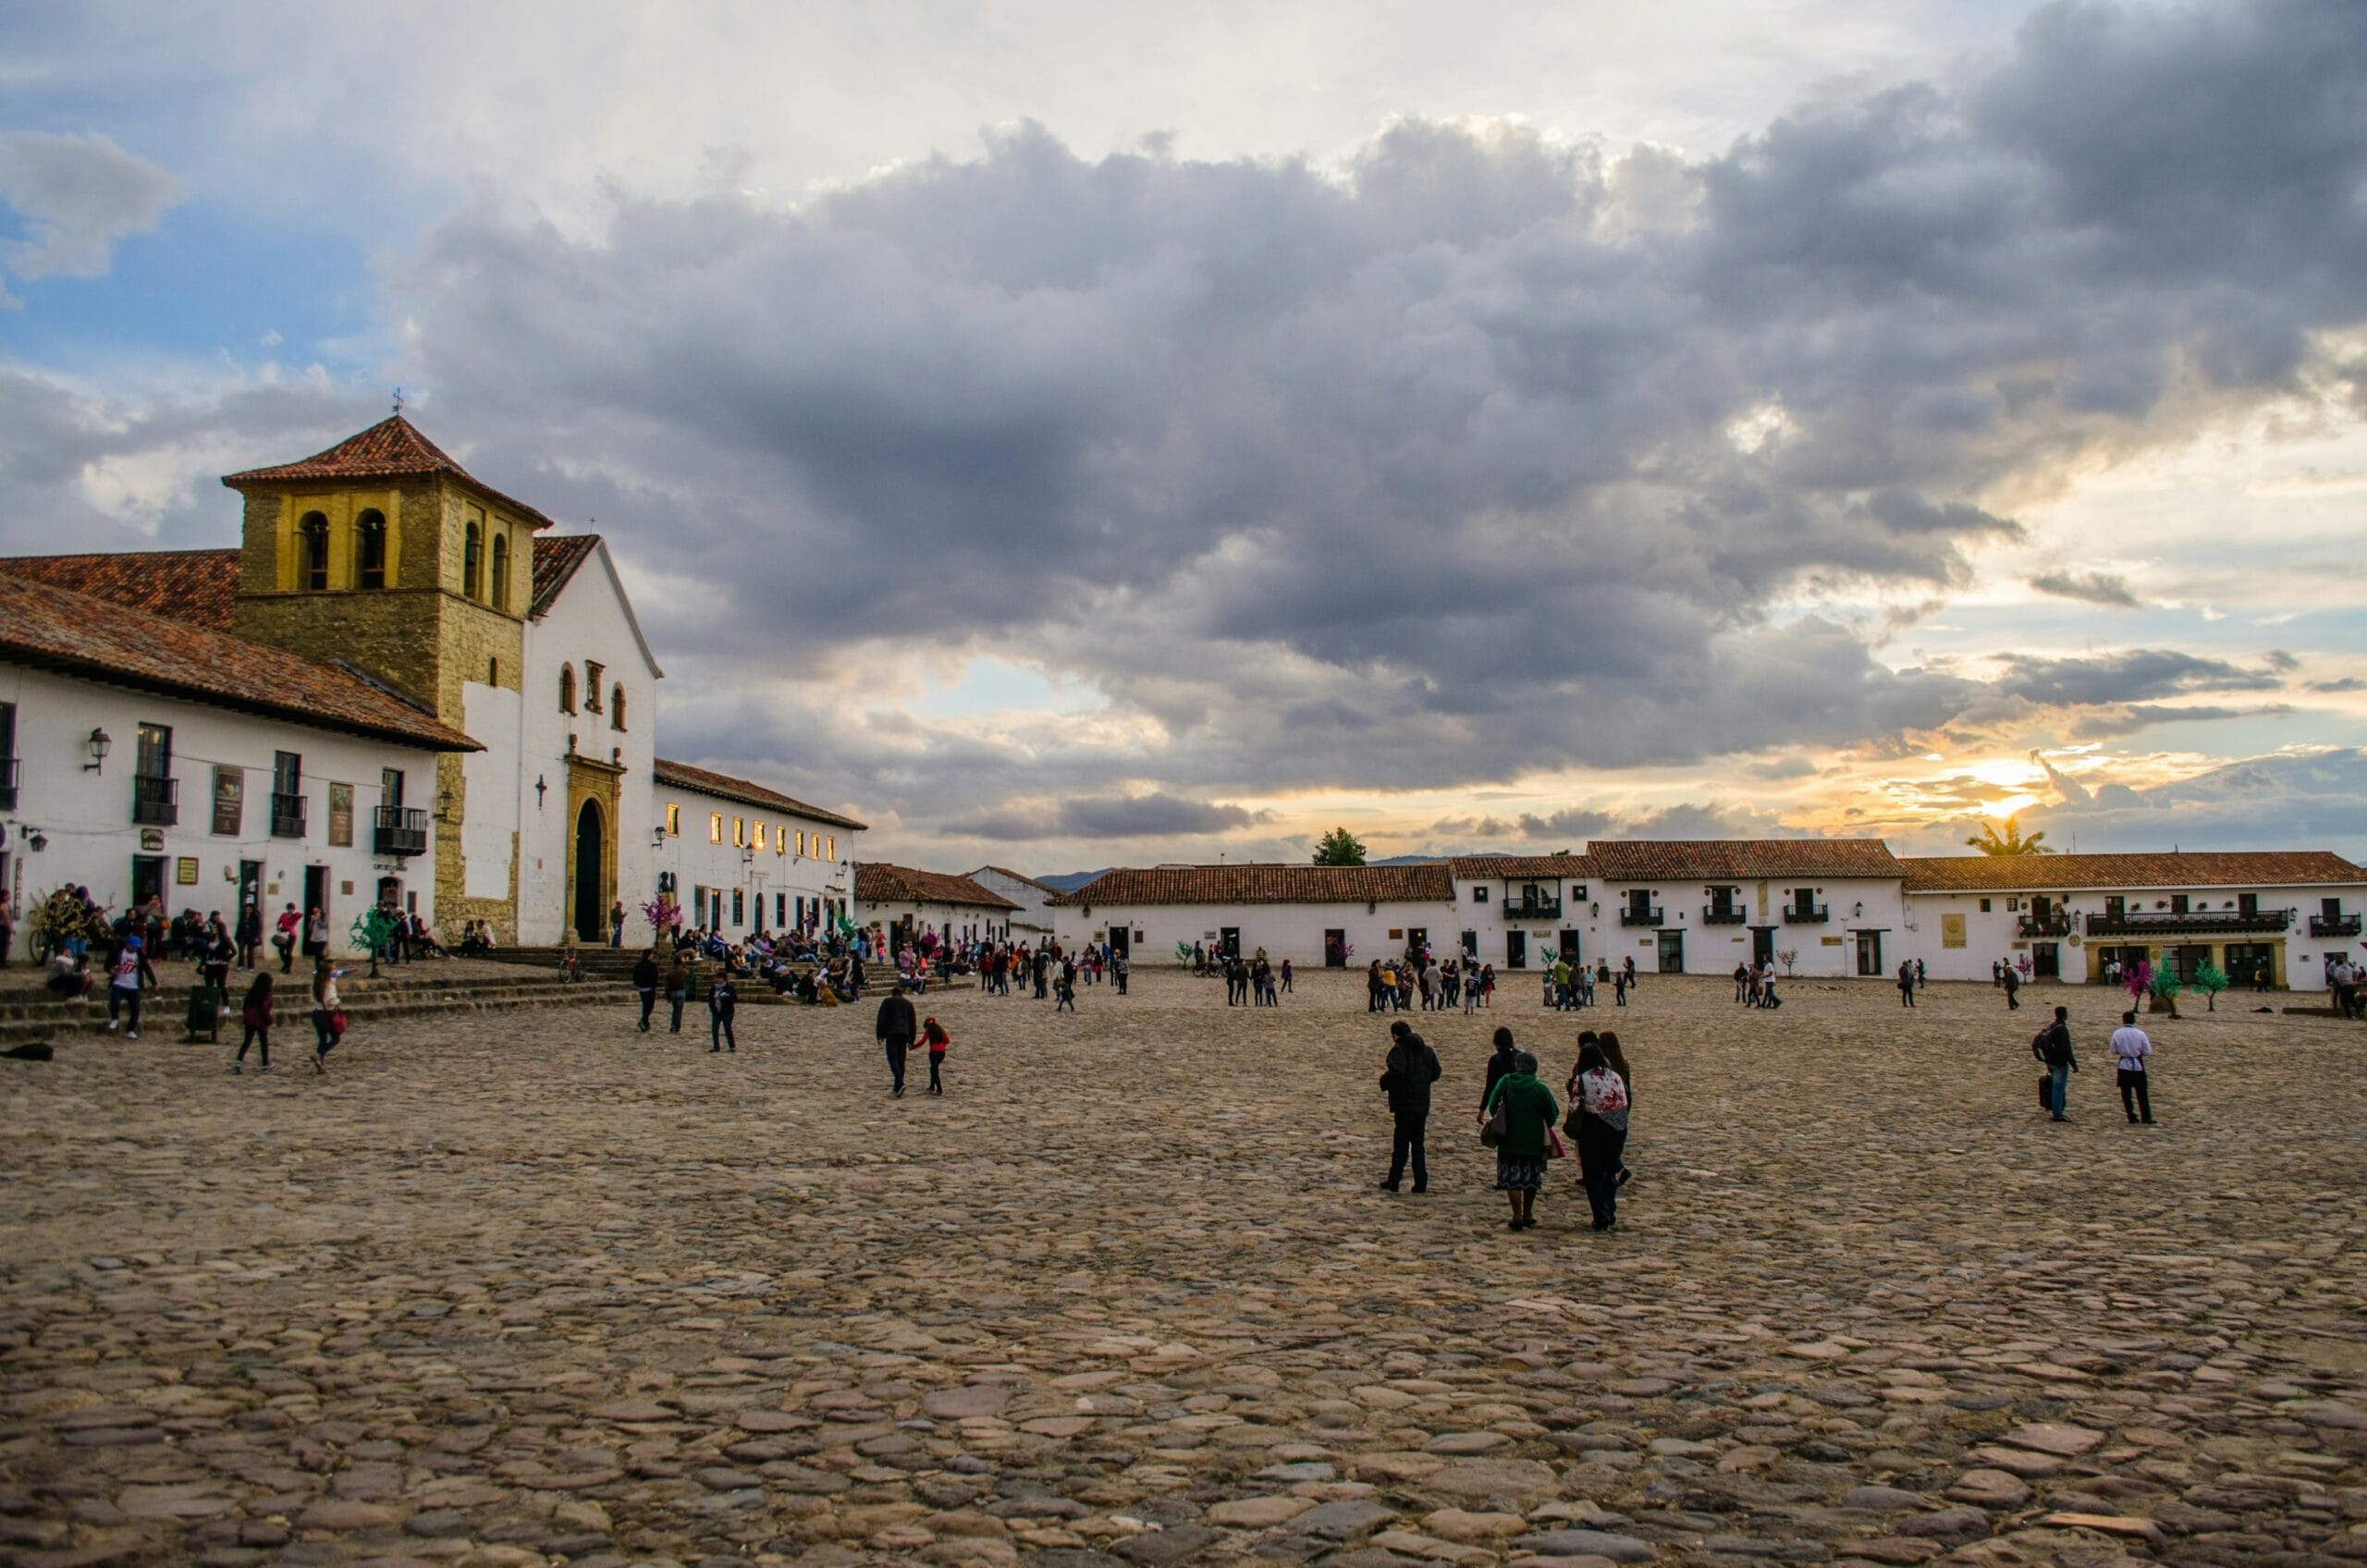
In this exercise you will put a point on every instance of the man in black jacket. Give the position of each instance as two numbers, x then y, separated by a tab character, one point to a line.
1411	1068
895	1030
644	980
2053	1048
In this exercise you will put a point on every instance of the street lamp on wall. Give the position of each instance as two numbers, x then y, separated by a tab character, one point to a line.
658	837
100	742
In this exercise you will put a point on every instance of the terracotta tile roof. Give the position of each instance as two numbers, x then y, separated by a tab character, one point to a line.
2055	874
1486	868
682	776
1015	877
392	448
95	639
196	586
878	883
556	557
1740	860
1129	885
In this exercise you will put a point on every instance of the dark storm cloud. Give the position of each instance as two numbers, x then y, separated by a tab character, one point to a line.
2139	675
1113	816
2095	587
1483	455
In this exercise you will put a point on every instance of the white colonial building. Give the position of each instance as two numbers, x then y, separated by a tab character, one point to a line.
2071	915
739	858
382	593
1031	916
145	761
898	904
1314	915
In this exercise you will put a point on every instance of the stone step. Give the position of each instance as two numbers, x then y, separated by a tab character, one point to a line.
69	1022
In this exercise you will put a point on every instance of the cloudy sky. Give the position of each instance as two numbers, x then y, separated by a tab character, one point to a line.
1067	434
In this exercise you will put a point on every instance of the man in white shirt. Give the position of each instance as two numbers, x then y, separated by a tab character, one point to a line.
2129	1049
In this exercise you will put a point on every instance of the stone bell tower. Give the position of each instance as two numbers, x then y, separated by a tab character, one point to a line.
385	554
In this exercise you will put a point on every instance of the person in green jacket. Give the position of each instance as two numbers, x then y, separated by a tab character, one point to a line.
1530	1115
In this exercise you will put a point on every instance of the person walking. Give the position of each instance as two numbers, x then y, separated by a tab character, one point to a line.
1906	983
1529	1113
1499	1063
2129	1049
2011	978
1921	979
1612	1053
1470	984
1120	967
1599	1108
722	1004
123	987
1405	1077
678	989
316	933
1065	991
644	980
2052	1047
255	1013
328	1014
1286	976
894	1029
616	923
933	1035
250	933
1742	989
1619	983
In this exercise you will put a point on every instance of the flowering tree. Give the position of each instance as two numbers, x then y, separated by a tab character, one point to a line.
2023	964
1790	956
1338	951
1183	952
2136	979
370	931
2166	989
663	915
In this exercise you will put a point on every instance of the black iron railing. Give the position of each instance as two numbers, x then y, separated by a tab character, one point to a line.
2334	925
156	800
287	816
1805	915
1631	915
400	830
2055	925
1534	909
1712	915
2173	923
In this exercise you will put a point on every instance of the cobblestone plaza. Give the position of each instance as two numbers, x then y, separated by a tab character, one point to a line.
531	1288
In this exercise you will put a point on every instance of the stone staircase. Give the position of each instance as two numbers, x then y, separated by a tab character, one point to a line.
417	990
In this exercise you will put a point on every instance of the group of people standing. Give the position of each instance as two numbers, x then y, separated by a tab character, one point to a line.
1755	984
1394	986
1519	1120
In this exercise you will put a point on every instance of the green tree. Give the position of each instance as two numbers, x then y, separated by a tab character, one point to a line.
1991	841
2210	980
1340	847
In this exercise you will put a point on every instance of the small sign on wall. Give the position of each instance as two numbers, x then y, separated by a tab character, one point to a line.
152	840
185	870
1829	941
1952	930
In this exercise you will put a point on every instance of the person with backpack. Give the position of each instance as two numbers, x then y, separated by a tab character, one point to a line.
256	1015
1405	1077
1598	1122
2051	1045
934	1036
722	1003
2011	978
2129	1049
1906	983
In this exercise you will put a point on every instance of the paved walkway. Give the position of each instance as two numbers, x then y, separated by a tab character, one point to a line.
532	1288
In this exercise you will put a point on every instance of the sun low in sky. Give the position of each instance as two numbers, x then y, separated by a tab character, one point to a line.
1072	435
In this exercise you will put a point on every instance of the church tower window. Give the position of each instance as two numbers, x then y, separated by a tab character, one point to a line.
617	707
472	564
501	571
567	688
370	556
314	532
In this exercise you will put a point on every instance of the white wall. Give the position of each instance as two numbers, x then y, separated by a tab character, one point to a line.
1995	933
697	862
590	621
86	816
1034	918
490	778
1285	931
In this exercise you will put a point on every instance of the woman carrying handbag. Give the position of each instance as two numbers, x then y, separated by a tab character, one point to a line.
1521	1113
1599	1120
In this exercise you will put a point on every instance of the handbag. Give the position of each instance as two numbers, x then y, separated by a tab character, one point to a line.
1493	1134
336	1024
2046	1091
1553	1149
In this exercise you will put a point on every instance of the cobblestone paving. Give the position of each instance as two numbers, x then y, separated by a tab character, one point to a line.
520	1288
